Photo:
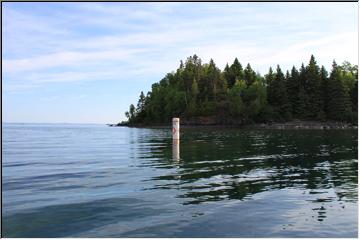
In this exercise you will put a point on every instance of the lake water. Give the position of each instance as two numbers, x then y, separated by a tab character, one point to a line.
62	180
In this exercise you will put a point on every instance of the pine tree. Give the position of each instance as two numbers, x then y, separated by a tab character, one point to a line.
227	73
181	64
277	96
339	105
203	90
235	73
141	103
283	105
324	89
293	88
192	70
269	78
249	75
214	76
313	90
132	112
303	97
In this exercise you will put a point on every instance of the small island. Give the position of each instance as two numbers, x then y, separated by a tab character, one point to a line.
203	95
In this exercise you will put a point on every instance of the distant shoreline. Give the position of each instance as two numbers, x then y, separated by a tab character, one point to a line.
315	125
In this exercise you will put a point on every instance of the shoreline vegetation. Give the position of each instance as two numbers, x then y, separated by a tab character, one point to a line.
316	125
203	95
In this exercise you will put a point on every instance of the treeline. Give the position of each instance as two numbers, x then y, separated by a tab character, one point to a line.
197	89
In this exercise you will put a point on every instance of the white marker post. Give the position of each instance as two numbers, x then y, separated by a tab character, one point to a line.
176	150
176	128
176	138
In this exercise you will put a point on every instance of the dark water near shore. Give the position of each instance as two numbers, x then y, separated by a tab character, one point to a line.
96	181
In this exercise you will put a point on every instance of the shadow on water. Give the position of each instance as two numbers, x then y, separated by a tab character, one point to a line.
234	164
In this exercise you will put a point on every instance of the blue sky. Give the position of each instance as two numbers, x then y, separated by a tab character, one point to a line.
87	62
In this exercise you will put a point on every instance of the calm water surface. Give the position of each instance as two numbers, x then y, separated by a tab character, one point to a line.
96	181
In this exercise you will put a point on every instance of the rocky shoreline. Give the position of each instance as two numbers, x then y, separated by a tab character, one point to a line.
305	125
286	125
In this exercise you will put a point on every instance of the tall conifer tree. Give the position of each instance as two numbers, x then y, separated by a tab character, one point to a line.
293	87
339	100
324	89
313	90
249	75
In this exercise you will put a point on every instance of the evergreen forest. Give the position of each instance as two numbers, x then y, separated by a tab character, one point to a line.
238	94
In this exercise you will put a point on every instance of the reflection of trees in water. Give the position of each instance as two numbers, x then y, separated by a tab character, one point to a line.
217	165
321	211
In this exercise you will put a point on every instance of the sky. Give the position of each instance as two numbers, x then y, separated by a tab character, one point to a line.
87	62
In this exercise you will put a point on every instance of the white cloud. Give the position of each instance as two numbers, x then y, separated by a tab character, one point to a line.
70	58
341	47
64	44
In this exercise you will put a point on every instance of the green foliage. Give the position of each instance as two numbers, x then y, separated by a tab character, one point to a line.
339	102
236	105
324	89
302	95
293	88
354	97
235	72
313	90
197	89
277	97
131	113
249	75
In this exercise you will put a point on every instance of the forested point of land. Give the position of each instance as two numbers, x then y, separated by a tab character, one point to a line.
239	95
